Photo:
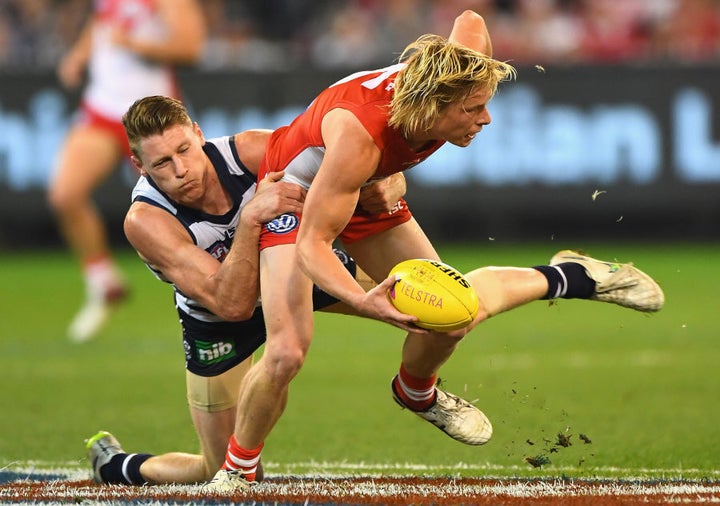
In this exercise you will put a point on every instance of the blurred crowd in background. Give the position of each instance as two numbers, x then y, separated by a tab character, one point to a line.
267	35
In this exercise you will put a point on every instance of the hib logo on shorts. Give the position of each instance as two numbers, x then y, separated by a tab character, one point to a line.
283	224
210	353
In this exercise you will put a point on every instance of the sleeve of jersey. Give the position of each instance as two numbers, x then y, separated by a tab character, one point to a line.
373	116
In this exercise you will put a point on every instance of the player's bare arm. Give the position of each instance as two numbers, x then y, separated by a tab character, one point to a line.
251	145
228	289
185	39
71	69
351	158
163	242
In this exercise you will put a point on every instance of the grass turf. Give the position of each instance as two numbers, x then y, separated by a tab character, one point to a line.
641	388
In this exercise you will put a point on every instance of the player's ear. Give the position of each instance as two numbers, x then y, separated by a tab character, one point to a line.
138	165
198	131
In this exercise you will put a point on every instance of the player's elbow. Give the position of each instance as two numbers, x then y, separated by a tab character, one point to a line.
189	57
470	16
470	30
189	49
236	308
194	54
236	312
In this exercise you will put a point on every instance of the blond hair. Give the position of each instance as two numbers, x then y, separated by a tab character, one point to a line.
438	73
152	116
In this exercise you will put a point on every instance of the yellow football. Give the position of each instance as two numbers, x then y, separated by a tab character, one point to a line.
439	295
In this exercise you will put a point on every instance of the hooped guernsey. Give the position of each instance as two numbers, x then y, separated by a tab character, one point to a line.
298	149
213	345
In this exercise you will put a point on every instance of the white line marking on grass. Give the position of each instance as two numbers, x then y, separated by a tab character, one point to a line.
357	485
332	468
79	470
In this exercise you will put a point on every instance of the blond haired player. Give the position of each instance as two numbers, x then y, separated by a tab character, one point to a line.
129	49
363	128
195	220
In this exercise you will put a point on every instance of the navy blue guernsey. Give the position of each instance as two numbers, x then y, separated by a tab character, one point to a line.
213	345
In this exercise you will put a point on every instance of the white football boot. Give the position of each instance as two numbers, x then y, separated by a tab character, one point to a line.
621	284
227	482
454	416
99	304
89	320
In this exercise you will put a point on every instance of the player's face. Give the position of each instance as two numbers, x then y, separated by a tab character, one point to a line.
176	162
461	121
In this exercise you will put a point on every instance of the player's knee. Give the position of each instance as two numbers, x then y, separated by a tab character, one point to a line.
482	315
284	363
63	200
450	339
490	290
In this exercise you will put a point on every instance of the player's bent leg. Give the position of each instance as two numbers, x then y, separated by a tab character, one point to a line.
111	464
174	468
503	288
287	306
617	283
423	354
212	403
288	309
73	181
416	390
213	407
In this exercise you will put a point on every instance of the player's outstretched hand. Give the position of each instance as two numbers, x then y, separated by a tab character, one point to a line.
377	305
273	198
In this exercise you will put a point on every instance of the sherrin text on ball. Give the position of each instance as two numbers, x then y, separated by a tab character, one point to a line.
438	294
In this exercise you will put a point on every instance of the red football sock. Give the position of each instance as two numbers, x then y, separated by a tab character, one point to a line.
238	458
416	393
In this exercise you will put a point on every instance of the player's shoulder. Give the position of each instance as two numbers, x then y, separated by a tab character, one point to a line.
371	79
366	94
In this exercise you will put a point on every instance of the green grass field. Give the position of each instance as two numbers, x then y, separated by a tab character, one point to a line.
644	389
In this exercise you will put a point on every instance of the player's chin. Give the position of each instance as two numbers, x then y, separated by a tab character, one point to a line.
463	141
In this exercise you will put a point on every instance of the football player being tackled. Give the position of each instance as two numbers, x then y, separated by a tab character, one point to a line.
366	127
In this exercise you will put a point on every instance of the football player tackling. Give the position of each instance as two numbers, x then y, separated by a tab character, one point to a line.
195	220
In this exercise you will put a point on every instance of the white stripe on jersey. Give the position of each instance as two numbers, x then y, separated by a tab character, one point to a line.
214	236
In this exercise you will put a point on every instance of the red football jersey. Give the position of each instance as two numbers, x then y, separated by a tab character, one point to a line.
298	148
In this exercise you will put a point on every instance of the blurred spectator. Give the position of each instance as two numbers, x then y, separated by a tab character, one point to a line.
545	31
612	31
278	34
344	43
399	22
692	32
33	38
